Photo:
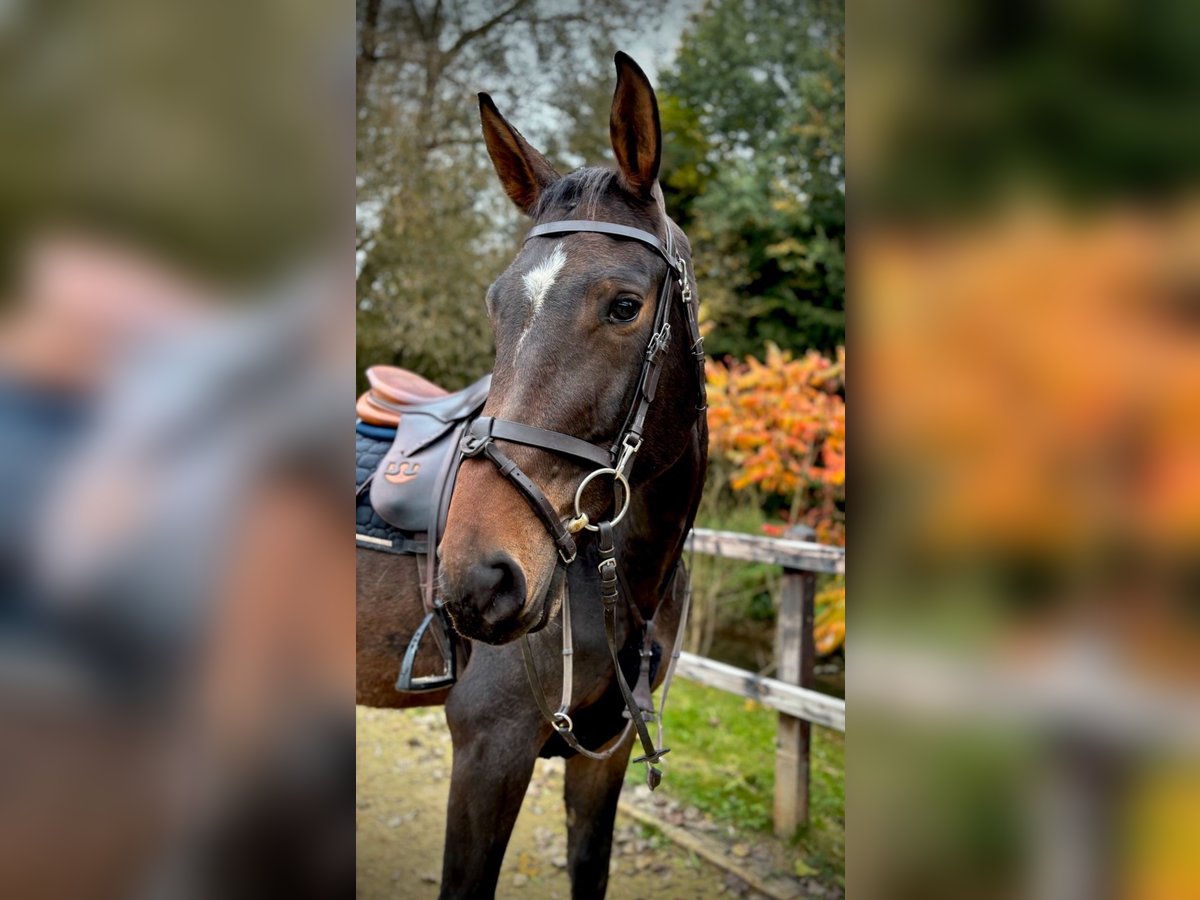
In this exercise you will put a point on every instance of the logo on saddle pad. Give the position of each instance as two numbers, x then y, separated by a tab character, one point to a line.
402	473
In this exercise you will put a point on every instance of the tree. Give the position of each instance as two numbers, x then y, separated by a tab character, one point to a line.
754	113
433	226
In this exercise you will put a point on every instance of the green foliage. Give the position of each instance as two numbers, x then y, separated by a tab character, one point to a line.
753	114
421	285
723	765
1080	100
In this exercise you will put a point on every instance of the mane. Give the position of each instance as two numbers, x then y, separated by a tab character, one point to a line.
579	193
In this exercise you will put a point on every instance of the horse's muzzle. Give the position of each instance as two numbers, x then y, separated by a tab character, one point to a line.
487	600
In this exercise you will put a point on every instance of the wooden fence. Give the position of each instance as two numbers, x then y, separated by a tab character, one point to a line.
791	693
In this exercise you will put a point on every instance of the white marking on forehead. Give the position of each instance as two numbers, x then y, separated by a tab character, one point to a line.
538	282
540	278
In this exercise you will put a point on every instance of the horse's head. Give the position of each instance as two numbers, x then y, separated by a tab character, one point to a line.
573	317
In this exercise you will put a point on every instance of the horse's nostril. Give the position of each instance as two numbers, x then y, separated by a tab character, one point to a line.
506	575
495	586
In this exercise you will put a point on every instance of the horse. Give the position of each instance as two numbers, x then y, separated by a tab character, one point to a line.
548	560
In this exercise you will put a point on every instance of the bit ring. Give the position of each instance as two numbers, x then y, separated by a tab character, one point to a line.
618	478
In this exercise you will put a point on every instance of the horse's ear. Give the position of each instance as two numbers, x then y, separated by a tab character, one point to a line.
523	171
635	128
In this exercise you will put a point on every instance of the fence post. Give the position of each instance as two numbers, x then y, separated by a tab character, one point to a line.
795	654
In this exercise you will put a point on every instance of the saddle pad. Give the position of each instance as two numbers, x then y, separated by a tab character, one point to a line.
371	444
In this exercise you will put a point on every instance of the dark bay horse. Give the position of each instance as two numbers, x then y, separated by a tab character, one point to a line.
576	317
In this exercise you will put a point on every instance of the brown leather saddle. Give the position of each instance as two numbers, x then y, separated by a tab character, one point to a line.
429	422
392	389
410	488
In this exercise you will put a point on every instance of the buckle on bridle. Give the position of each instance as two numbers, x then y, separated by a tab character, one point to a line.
684	282
471	445
629	448
654	757
658	342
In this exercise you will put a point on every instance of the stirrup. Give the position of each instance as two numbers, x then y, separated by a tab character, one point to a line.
405	683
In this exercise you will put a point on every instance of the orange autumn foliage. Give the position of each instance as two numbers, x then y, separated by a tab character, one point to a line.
781	422
829	621
1038	378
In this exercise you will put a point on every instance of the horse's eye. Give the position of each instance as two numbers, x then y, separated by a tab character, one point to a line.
624	309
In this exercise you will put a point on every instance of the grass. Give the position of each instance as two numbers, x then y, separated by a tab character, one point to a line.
723	763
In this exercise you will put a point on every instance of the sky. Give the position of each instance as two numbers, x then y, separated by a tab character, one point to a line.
655	47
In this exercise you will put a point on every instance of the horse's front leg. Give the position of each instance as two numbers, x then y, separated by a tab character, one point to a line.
591	791
492	767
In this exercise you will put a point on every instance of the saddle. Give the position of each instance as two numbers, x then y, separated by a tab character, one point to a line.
428	422
409	487
392	389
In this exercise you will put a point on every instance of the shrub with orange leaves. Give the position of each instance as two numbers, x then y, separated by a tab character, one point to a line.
781	423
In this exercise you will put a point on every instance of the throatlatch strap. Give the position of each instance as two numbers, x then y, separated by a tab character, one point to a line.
677	649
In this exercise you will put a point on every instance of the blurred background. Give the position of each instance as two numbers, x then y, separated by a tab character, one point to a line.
1025	277
176	634
174	677
752	101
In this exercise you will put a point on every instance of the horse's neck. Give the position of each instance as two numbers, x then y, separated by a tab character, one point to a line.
660	516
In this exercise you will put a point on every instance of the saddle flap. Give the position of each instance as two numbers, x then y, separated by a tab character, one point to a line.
406	485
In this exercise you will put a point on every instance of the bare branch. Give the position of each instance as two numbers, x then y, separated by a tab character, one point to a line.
416	16
467	36
366	57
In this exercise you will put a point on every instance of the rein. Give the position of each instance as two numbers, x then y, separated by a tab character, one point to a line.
615	461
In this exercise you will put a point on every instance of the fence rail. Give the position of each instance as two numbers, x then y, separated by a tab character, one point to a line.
812	706
787	552
790	694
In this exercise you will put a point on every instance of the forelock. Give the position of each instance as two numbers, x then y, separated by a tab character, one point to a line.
579	193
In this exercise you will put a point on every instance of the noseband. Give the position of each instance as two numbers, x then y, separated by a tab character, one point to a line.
615	460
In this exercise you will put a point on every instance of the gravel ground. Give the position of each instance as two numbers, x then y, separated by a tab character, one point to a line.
403	779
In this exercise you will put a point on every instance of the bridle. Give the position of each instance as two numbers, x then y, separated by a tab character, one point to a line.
615	460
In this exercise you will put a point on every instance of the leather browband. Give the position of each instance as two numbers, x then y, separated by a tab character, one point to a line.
568	226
